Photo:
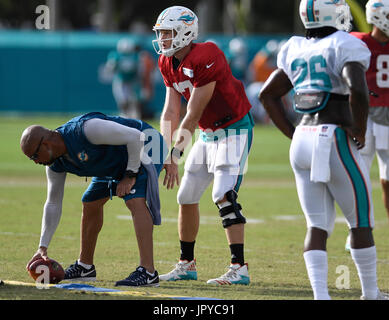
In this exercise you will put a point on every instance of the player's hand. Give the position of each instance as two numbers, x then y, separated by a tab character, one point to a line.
357	136
171	176
124	187
40	254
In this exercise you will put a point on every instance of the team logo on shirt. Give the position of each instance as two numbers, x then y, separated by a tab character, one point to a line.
210	65
188	72
82	156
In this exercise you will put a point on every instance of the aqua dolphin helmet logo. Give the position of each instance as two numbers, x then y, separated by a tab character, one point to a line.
187	18
377	5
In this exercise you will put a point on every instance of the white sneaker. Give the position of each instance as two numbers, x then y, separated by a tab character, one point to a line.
184	270
380	296
236	274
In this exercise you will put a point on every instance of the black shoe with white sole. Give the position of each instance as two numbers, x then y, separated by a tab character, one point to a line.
140	278
79	273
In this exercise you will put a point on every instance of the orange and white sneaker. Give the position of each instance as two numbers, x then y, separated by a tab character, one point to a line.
184	270
236	274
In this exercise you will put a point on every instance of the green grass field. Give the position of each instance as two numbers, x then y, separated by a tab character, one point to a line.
274	233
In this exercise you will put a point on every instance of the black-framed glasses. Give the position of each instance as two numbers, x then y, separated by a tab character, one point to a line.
35	154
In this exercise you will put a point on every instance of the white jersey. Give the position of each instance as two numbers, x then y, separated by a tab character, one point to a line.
315	65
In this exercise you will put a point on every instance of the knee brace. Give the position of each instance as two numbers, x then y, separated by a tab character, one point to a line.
231	214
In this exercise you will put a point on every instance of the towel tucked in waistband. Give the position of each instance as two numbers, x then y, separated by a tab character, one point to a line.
320	163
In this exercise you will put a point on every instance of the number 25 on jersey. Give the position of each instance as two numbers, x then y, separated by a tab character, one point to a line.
318	79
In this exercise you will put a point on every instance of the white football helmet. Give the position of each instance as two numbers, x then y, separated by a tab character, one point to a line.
326	13
377	13
182	23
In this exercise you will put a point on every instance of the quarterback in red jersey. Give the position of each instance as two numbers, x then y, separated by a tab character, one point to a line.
217	103
206	63
377	76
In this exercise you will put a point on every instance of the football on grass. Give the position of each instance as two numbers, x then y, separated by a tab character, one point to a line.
47	271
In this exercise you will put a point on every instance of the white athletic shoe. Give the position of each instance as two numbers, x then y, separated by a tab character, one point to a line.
184	270
380	296
236	274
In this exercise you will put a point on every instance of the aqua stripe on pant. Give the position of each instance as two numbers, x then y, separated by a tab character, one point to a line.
356	177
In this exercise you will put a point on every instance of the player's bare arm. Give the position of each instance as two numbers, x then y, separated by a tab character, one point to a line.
170	120
277	85
196	105
354	75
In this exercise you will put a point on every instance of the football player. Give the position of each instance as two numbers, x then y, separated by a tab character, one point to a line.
111	150
377	133
327	71
131	85
217	103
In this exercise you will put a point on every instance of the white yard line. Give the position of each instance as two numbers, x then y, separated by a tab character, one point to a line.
25	234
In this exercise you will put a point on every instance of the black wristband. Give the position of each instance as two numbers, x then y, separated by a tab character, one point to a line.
130	174
176	152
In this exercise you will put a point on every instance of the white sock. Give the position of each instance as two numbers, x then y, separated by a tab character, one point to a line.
86	266
366	263
317	268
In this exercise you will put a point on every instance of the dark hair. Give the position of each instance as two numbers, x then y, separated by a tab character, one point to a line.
319	32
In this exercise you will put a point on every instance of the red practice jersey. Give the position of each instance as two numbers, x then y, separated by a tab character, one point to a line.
206	63
378	74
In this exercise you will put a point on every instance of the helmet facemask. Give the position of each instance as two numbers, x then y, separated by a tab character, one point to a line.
158	44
